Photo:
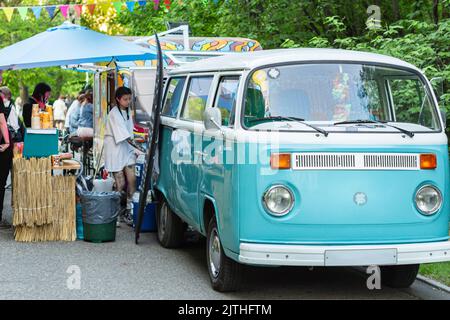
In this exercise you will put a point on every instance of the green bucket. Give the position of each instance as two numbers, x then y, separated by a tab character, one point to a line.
99	233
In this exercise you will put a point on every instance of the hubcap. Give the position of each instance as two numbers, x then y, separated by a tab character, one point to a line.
163	221
214	253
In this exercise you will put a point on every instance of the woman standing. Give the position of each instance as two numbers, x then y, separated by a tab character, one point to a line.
120	158
6	155
59	112
40	96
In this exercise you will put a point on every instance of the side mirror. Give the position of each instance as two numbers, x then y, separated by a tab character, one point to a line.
212	119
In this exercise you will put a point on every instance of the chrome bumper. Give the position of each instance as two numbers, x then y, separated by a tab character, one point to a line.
352	255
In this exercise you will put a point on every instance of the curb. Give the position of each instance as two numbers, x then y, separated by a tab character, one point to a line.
434	283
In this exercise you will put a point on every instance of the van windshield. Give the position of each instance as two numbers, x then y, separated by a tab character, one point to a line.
327	94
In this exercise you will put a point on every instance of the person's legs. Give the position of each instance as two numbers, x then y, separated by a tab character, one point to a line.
130	174
119	178
5	167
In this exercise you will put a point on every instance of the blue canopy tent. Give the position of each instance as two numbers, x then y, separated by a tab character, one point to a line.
70	44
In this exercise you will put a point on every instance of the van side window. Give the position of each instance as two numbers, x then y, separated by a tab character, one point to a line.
173	97
197	98
226	98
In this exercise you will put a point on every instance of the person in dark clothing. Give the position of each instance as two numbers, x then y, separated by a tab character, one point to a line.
40	96
6	155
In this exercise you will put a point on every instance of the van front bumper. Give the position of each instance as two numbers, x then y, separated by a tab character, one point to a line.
351	255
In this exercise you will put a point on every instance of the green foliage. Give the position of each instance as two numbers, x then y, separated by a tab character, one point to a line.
61	81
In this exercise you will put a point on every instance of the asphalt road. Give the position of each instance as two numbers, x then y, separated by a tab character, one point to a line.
123	270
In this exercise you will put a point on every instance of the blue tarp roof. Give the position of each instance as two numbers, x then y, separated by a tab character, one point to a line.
70	44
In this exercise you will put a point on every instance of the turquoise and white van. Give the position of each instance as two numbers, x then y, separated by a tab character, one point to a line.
305	157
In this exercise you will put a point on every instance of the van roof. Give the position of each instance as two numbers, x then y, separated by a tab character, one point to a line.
251	60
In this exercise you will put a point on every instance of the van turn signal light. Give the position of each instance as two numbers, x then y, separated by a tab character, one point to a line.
280	161
428	161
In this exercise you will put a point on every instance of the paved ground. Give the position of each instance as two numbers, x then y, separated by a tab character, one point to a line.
123	270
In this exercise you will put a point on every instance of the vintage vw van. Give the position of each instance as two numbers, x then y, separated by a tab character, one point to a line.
305	157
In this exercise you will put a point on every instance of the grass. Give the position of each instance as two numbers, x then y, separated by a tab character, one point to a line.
437	271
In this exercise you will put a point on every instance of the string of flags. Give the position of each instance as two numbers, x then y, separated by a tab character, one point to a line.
79	9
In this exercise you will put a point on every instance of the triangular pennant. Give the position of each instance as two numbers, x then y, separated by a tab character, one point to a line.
142	3
64	10
78	9
156	6
167	4
118	5
9	13
23	11
91	8
37	11
104	6
51	11
130	5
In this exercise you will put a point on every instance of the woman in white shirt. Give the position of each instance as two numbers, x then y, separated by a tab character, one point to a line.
120	157
59	112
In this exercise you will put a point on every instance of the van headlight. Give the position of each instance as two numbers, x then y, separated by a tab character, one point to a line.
428	200
278	200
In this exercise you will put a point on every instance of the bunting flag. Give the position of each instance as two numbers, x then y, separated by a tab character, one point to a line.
64	10
91	8
130	5
104	6
37	12
78	9
118	5
51	11
88	8
9	13
23	11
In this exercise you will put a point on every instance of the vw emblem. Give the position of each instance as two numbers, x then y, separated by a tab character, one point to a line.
360	198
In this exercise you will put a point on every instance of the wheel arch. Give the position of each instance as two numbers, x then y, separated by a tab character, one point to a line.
209	211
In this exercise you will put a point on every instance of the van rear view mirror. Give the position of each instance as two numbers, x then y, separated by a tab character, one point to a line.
212	119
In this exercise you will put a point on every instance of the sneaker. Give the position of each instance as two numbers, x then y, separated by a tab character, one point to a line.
118	223
128	217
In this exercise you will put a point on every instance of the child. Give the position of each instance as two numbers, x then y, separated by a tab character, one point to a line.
120	157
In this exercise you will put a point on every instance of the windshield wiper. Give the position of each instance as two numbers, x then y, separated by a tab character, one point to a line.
384	123
294	119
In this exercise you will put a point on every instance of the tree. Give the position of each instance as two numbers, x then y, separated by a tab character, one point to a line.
19	81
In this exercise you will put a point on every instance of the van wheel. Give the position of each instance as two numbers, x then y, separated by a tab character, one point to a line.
402	276
170	226
225	273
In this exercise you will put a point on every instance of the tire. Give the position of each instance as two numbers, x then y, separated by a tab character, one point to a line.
402	276
170	227
225	274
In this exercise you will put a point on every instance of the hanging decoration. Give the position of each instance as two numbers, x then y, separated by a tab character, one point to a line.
9	13
78	9
89	8
23	11
51	11
37	12
64	10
